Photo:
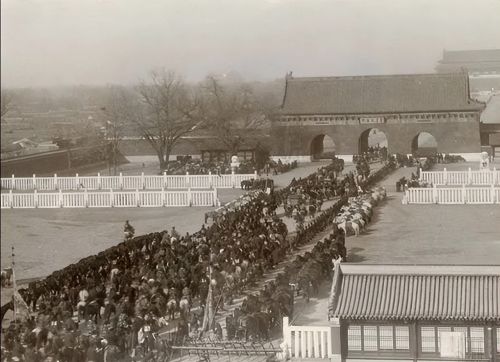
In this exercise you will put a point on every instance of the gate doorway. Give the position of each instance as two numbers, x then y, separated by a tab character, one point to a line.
322	147
424	144
371	140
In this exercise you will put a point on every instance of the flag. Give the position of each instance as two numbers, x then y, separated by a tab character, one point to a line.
20	306
208	315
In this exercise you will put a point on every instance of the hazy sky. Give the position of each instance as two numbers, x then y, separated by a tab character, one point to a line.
65	42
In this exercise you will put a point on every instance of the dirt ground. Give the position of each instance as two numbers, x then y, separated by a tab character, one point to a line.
50	239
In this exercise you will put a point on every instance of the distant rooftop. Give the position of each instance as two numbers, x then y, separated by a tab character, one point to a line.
486	61
471	56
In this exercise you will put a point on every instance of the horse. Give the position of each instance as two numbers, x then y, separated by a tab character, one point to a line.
258	325
184	307
6	276
5	308
349	226
171	308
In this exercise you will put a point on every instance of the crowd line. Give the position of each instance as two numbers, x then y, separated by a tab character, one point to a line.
114	306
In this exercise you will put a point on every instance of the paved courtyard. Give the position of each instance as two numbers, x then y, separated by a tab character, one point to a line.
417	234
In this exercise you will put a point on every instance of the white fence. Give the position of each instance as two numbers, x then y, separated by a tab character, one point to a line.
109	199
479	177
307	341
453	195
122	182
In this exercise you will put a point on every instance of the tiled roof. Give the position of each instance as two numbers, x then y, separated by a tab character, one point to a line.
460	56
385	292
378	94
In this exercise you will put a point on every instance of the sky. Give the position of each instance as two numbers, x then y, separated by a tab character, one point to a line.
95	42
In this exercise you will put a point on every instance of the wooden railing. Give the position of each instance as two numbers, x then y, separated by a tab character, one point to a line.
453	195
109	198
307	341
123	182
469	177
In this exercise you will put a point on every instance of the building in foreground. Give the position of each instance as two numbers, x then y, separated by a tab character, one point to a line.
416	312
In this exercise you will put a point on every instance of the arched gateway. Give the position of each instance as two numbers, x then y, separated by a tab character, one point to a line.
322	146
424	144
398	106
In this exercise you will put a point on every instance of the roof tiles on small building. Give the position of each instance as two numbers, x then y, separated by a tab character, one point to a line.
447	293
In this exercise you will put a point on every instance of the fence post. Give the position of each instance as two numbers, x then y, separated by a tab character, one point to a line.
495	175
233	179
165	179
469	176
255	174
286	337
61	201
464	191
143	183
445	177
56	186
34	181
99	183
190	197
188	181
13	187
121	181
493	194
86	197
435	194
214	197
162	196
111	198
77	180
35	198
210	181
420	173
11	198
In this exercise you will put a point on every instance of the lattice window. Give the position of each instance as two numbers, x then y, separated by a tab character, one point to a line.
428	339
402	337
354	338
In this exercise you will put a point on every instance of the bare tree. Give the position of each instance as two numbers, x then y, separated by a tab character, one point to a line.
170	111
231	111
119	109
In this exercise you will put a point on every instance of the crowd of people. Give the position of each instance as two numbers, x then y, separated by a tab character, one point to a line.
145	282
200	167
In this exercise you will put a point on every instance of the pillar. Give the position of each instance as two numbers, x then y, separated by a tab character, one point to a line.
56	186
164	179
143	183
335	343
445	177
13	187
121	181
99	181
34	181
233	179
137	196
77	180
35	199
190	197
